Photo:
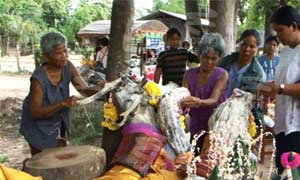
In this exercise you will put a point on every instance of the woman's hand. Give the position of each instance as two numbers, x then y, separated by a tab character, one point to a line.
69	102
191	102
101	83
269	89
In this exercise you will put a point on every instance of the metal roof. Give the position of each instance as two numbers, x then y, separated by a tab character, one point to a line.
103	27
176	15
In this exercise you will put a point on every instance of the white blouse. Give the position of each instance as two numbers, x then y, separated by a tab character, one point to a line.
287	109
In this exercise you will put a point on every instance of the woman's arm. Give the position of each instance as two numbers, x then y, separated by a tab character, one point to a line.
220	86
80	85
271	89
38	111
217	91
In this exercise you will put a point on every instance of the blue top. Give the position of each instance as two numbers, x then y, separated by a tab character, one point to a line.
43	133
250	79
269	65
235	78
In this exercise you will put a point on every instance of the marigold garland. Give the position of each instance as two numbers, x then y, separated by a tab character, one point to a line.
90	63
110	116
252	126
154	91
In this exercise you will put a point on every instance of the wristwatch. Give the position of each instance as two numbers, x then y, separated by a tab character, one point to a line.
281	88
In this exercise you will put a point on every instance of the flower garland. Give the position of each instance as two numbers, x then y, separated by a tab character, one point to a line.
88	62
154	91
252	126
110	114
290	159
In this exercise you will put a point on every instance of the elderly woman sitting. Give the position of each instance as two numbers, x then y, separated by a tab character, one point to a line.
45	113
207	84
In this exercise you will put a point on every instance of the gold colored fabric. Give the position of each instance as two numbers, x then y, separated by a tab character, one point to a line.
119	172
161	174
13	174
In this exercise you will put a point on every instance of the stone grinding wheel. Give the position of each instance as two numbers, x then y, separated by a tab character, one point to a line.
67	163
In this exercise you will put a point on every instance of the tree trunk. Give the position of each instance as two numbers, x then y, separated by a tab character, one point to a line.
222	17
4	44
32	44
194	22
18	57
236	14
268	26
120	38
118	57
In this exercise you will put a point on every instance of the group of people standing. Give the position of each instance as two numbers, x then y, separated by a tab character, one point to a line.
45	117
214	80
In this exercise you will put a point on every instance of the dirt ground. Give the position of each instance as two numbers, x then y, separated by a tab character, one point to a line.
13	89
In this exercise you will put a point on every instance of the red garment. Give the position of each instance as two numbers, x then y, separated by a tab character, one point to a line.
138	151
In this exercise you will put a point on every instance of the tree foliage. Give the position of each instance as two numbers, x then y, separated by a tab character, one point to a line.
26	20
84	14
252	12
177	6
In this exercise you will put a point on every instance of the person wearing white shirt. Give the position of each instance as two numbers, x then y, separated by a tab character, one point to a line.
286	87
102	54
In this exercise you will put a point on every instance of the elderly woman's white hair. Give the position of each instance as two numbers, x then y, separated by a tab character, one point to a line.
212	41
51	39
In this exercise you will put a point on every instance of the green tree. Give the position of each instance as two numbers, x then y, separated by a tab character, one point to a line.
55	12
84	14
176	6
259	13
6	25
20	19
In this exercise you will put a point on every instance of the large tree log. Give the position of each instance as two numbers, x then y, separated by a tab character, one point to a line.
67	163
222	17
118	58
194	22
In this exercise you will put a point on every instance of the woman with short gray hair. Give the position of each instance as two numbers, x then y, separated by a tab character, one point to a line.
207	84
50	40
212	41
45	113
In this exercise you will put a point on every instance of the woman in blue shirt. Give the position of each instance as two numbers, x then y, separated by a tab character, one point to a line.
45	113
270	60
244	71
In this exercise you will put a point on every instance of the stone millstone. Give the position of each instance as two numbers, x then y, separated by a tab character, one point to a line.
67	163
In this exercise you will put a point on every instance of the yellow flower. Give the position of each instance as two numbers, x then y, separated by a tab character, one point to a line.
153	101
84	61
105	123
154	91
110	112
252	126
92	63
113	127
182	121
110	116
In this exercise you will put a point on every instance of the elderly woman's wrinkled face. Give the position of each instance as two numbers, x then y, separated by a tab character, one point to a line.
248	47
209	60
59	56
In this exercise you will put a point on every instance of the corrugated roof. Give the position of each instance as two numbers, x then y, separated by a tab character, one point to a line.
176	15
103	27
